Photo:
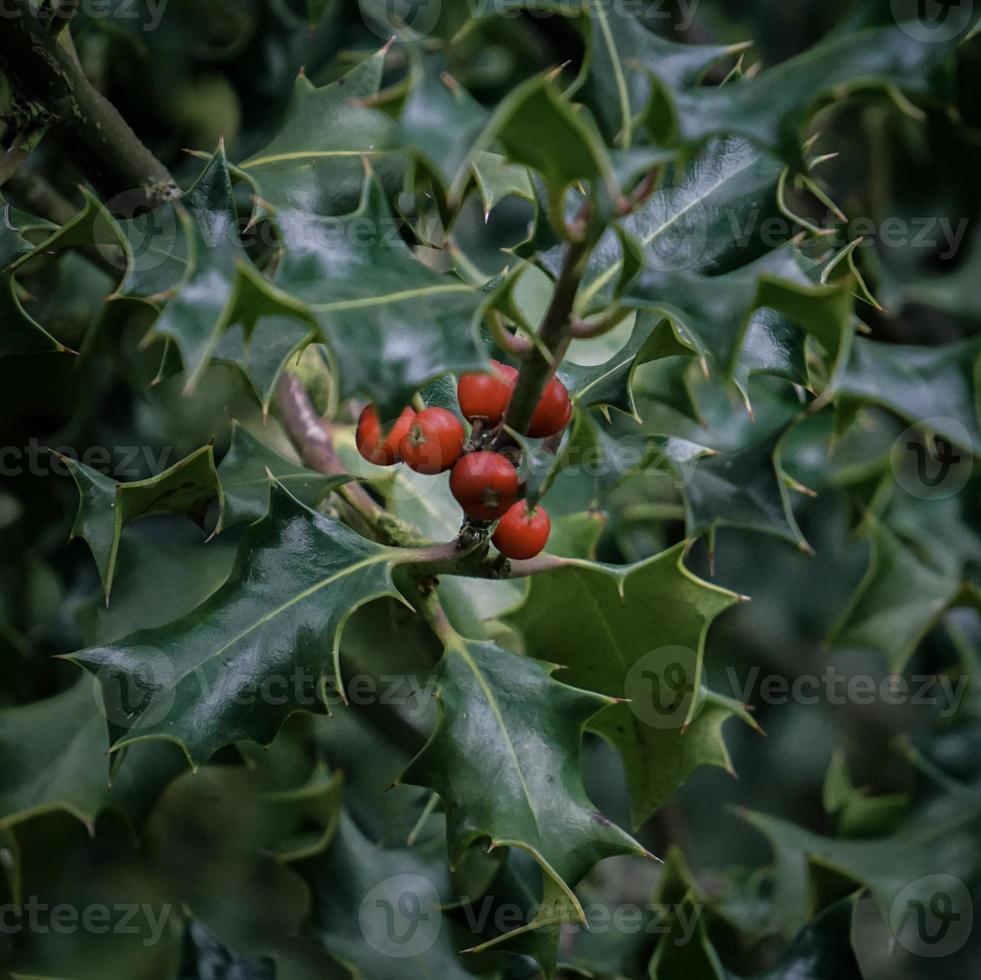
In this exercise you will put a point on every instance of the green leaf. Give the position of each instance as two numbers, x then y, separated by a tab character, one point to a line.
315	163
20	333
625	58
440	122
505	715
713	313
17	229
538	127
620	631
245	479
855	811
219	674
935	386
263	351
818	952
940	838
93	225
154	550
107	506
772	108
197	314
703	219
54	759
609	384
498	179
379	910
391	323
745	488
898	600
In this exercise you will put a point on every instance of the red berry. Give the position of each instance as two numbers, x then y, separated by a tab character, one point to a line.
553	411
523	531
486	396
433	442
371	445
485	484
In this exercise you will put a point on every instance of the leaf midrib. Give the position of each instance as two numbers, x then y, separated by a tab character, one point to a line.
604	277
300	597
492	703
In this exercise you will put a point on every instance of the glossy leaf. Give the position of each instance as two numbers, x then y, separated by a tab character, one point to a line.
316	161
107	506
504	718
619	631
207	679
245	479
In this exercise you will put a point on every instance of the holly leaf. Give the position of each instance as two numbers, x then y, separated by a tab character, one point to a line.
627	61
537	126
18	230
379	910
54	760
935	386
54	751
772	108
744	488
899	599
609	384
898	869
315	163
106	506
816	953
245	479
713	314
199	681
440	123
390	322
636	633
704	219
504	718
20	333
497	179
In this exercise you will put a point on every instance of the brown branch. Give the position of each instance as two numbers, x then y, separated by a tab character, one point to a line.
51	90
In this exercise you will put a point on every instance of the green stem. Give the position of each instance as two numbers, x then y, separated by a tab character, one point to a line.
554	337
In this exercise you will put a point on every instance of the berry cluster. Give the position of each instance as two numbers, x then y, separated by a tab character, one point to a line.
484	482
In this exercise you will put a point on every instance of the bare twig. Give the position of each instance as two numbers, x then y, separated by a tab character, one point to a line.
50	87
